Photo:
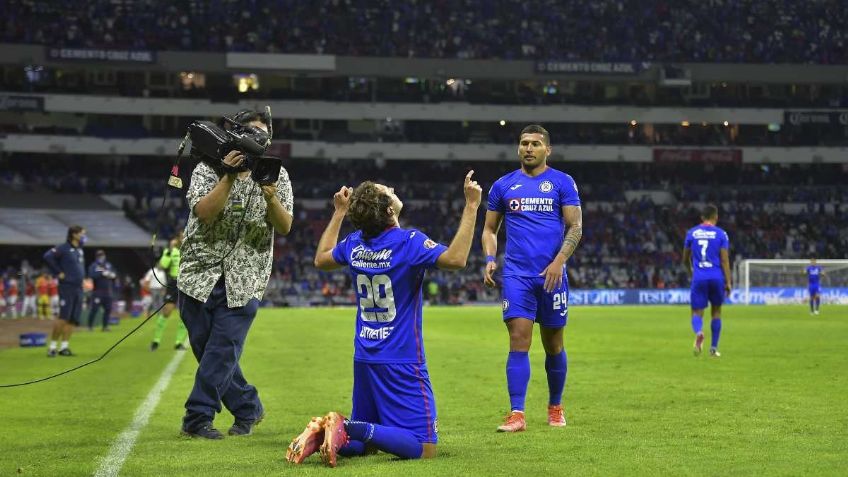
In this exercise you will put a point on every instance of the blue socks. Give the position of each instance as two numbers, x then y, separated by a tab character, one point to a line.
697	324
393	440
715	327
557	368
517	377
353	449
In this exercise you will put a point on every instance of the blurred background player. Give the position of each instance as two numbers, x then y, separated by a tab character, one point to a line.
12	293
3	309
53	294
102	274
44	310
170	262
814	274
540	205
393	405
152	288
29	309
705	255
67	263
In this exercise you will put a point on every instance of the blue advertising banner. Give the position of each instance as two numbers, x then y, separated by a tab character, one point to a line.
680	296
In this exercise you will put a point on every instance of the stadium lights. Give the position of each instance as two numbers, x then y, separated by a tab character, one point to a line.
726	124
502	122
633	122
246	82
450	81
685	124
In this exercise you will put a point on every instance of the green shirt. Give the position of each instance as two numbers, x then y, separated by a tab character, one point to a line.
170	261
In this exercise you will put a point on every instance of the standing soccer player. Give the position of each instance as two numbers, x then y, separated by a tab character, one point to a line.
393	406
540	206
706	259
814	274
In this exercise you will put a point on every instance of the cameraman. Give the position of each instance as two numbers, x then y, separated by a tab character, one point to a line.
226	262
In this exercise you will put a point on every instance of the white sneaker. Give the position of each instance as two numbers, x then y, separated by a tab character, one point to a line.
816	312
714	353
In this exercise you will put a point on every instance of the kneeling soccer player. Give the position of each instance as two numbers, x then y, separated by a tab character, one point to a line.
393	406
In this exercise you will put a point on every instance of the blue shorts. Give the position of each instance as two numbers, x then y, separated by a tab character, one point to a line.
525	297
702	291
70	303
396	395
814	291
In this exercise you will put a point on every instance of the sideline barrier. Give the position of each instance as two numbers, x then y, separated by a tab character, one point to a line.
680	296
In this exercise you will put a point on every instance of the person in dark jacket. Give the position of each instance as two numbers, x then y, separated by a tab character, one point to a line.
66	261
102	274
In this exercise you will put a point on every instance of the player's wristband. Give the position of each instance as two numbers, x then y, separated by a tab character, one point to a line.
490	258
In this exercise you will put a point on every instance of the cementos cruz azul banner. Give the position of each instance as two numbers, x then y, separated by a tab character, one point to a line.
680	296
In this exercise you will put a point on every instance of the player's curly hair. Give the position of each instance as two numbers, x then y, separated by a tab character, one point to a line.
368	209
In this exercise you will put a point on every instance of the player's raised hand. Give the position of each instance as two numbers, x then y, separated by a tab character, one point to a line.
341	199
553	276
488	274
473	191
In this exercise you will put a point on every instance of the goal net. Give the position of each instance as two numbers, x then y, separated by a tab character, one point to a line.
777	281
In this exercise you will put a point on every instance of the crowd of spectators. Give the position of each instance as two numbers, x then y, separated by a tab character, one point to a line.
750	31
464	132
632	236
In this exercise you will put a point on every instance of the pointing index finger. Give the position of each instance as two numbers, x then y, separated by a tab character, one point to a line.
468	176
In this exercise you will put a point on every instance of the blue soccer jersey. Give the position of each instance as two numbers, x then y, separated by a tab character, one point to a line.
813	276
532	208
706	241
388	272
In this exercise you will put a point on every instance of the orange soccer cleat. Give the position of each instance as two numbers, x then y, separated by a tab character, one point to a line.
556	417
514	422
335	437
307	443
699	344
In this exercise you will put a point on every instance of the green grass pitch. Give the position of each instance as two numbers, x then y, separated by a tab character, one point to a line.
637	401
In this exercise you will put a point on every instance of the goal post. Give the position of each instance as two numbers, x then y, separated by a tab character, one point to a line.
785	280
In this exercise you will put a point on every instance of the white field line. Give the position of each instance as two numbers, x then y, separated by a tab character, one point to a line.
123	445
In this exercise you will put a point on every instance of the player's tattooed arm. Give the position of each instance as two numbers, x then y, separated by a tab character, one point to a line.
489	239
574	220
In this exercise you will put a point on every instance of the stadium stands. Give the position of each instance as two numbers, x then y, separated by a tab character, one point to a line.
789	211
749	31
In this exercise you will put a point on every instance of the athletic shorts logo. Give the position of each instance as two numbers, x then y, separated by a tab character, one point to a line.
546	186
429	244
505	305
514	205
435	426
